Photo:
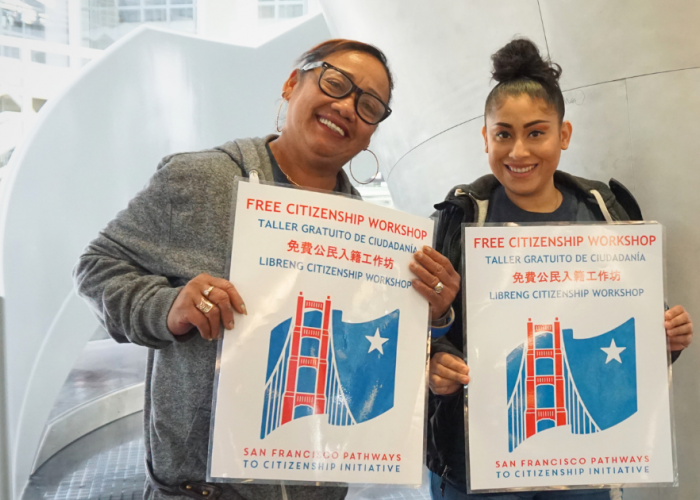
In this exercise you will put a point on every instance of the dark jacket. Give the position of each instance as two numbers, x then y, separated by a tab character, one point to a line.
468	203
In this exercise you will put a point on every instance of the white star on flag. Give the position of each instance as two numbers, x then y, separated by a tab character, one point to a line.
613	352
376	342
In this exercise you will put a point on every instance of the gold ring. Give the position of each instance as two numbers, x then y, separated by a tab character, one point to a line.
439	287
208	291
204	305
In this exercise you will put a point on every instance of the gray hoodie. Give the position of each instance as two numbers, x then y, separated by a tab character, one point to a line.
179	226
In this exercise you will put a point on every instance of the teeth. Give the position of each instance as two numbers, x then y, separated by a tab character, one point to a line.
521	170
332	126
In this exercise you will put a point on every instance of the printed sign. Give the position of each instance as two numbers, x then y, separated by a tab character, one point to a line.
324	379
565	322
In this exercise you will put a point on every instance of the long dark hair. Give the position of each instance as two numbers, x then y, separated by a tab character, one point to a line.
519	69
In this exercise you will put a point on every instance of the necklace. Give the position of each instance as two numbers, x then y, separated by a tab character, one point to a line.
287	175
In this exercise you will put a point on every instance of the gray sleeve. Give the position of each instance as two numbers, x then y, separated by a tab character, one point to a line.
121	274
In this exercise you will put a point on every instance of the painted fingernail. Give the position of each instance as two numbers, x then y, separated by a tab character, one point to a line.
245	311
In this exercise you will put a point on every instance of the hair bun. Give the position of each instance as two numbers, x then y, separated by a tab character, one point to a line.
521	59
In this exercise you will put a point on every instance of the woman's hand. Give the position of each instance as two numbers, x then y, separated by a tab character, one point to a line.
189	306
448	373
679	328
432	268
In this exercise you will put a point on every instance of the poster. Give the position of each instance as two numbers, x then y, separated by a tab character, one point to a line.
325	379
567	351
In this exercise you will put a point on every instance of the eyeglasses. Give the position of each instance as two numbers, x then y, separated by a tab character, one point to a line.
334	83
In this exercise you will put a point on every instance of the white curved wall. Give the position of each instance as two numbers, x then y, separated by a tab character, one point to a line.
632	85
151	94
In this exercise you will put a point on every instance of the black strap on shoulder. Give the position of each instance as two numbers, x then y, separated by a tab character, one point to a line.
625	198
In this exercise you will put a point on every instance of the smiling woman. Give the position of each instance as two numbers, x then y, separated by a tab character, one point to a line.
335	102
155	274
524	134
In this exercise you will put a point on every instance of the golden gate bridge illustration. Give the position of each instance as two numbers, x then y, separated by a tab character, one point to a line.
302	385
545	394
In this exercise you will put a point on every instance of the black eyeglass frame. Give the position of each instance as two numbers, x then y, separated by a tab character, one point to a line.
354	88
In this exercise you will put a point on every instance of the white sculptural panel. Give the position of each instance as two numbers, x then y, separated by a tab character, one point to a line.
599	147
597	40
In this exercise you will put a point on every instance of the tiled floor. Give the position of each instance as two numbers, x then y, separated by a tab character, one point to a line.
107	464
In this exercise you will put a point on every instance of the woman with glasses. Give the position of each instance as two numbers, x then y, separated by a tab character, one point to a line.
524	134
154	275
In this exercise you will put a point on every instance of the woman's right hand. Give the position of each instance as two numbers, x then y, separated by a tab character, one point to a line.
448	373
185	313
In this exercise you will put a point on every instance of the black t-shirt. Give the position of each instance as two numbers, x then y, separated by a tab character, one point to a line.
277	174
502	209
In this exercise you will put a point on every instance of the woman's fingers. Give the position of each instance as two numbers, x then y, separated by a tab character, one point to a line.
443	386
424	276
679	328
222	301
233	295
432	268
191	309
198	319
437	264
448	373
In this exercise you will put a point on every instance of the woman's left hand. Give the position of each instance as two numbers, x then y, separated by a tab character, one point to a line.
679	328
432	268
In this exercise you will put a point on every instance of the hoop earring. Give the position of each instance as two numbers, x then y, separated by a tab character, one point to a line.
375	174
277	121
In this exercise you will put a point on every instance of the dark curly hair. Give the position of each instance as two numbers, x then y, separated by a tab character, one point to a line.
519	69
324	49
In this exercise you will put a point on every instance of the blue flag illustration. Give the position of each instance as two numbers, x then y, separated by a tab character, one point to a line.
556	380
605	371
319	364
365	357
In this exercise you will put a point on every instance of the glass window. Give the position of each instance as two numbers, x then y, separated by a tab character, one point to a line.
12	52
155	15
129	3
181	2
281	9
181	14
154	2
287	11
38	57
129	16
266	11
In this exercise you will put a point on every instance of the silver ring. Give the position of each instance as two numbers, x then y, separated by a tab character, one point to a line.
439	287
204	305
208	291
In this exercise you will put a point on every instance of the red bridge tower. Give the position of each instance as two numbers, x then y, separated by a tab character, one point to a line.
317	399
532	381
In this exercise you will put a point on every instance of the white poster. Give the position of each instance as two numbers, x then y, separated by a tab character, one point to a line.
567	351
324	379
